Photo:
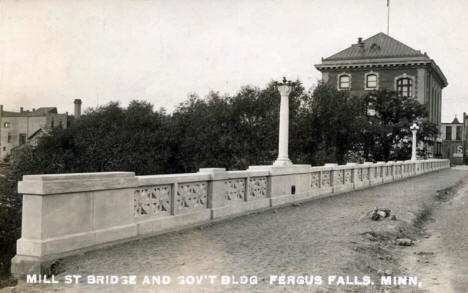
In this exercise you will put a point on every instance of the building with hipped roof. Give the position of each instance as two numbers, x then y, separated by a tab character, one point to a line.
382	62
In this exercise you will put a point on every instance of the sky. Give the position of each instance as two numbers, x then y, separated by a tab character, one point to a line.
52	52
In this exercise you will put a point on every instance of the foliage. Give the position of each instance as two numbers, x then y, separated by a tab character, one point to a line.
10	221
387	135
331	125
108	138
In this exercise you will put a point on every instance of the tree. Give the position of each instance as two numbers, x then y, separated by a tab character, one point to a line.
202	133
330	125
109	138
231	132
387	134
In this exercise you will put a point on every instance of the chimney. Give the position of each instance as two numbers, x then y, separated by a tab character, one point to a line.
1	110
360	42
77	103
21	109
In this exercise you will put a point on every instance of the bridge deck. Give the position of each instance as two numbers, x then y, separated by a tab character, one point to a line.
321	237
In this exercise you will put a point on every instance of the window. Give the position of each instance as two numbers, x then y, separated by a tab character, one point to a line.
22	138
9	137
344	81
404	87
448	133
459	133
371	81
6	125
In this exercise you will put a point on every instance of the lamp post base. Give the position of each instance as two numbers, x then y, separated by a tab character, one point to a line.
282	163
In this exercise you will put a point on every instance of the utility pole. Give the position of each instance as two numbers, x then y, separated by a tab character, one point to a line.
388	17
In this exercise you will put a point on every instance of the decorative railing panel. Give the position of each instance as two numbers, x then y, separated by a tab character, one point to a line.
359	174
258	187
398	170
234	189
338	177
365	174
315	180
326	178
191	196
348	176
152	200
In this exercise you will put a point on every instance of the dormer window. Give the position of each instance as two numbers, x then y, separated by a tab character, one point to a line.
371	81
344	81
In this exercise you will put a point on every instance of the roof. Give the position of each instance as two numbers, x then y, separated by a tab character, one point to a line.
380	50
47	110
44	131
43	111
378	46
454	121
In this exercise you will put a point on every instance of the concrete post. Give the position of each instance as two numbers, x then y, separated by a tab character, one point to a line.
414	129
283	157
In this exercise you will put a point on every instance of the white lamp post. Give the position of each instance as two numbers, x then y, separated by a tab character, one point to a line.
283	158
414	129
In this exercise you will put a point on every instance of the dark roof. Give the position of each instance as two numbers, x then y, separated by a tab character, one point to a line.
47	110
378	46
380	50
455	120
43	111
46	131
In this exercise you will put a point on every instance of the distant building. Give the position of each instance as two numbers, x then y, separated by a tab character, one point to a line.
454	140
383	62
19	128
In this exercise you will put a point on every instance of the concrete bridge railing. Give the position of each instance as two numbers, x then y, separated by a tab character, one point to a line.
65	214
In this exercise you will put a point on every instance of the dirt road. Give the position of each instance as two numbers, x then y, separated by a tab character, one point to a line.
441	259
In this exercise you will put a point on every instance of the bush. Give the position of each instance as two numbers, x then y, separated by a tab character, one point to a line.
10	221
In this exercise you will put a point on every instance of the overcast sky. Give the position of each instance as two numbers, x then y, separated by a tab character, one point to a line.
52	52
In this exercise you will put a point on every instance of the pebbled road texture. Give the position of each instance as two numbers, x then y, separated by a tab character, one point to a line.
442	258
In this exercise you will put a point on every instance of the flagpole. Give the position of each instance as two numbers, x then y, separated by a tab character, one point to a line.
388	17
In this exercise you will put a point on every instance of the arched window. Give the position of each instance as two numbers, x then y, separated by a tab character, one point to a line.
344	81
404	87
371	81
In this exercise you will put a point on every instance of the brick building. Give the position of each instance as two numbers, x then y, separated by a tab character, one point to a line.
454	136
383	62
19	128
